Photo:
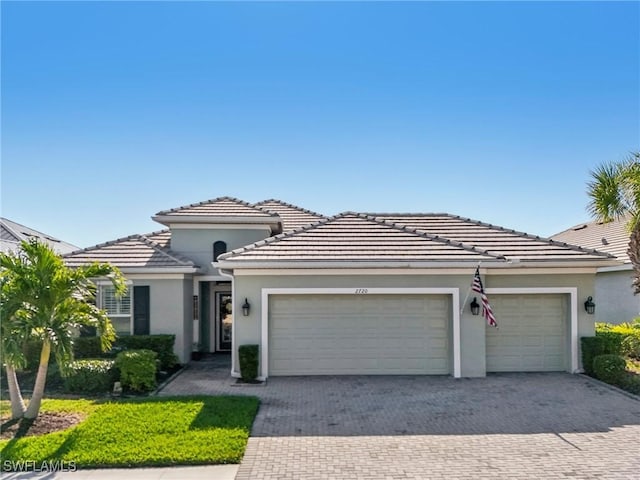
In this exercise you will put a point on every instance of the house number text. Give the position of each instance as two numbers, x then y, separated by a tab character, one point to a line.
361	291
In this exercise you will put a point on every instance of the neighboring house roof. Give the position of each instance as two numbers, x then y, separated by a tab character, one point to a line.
293	217
389	238
510	244
133	252
611	237
12	233
222	210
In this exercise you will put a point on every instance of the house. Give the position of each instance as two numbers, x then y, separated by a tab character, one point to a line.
12	233
355	293
613	293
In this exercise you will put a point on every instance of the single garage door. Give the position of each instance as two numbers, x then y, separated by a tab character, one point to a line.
359	334
531	334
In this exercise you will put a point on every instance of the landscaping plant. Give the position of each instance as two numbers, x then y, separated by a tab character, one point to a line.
43	299
248	357
137	369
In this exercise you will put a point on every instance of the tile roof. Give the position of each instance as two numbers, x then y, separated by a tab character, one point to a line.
217	207
12	233
612	237
492	239
293	217
352	237
135	251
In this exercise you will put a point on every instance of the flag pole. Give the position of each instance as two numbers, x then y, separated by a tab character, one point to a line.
468	294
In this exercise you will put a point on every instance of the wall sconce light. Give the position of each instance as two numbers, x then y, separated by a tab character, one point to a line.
246	308
589	306
475	307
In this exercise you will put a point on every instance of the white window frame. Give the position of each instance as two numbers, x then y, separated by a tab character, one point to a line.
99	301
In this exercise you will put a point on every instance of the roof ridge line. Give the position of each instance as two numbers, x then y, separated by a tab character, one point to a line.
103	244
286	204
430	236
547	240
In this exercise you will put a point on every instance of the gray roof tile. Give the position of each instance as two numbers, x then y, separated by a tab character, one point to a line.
12	233
407	237
292	216
134	251
352	237
611	237
218	207
492	239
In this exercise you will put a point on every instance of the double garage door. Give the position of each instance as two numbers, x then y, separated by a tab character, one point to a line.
359	334
408	334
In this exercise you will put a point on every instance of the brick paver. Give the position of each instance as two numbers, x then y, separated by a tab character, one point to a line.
519	426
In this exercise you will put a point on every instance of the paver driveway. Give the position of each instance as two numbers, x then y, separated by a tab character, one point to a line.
519	426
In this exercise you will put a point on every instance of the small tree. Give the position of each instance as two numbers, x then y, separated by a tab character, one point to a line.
615	194
42	298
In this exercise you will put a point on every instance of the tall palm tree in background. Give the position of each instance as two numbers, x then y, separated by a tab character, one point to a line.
615	194
43	299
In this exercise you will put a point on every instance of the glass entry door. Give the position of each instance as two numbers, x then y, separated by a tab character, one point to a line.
225	319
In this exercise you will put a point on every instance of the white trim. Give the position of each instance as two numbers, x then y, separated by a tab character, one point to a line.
221	226
145	271
455	310
618	268
155	276
233	324
255	272
283	265
572	291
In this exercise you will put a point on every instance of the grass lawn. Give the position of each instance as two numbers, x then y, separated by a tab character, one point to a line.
153	431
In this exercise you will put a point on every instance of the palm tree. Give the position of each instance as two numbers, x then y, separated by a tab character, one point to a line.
615	194
44	299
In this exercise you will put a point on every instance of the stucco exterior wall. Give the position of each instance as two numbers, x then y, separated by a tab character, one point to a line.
472	328
614	298
197	244
171	311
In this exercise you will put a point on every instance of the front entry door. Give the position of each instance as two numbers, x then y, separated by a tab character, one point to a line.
224	307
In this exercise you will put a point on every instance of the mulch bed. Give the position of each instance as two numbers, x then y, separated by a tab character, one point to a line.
47	422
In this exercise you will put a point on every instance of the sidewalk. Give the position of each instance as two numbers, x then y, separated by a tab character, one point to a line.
210	472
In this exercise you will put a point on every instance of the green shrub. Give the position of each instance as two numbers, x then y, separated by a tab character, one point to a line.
137	369
609	368
622	339
161	344
591	348
89	347
248	356
631	345
90	376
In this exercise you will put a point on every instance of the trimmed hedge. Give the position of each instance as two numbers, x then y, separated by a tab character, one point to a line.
90	376
137	369
89	347
248	357
609	368
161	344
591	348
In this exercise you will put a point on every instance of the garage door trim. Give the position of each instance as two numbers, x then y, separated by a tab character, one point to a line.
455	302
573	302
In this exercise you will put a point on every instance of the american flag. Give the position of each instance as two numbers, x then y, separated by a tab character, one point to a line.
487	313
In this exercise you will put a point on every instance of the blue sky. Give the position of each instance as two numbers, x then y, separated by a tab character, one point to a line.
496	111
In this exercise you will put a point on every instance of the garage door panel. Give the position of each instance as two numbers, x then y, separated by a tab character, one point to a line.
368	334
531	333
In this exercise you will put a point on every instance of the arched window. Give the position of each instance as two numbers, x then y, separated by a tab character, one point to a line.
219	248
